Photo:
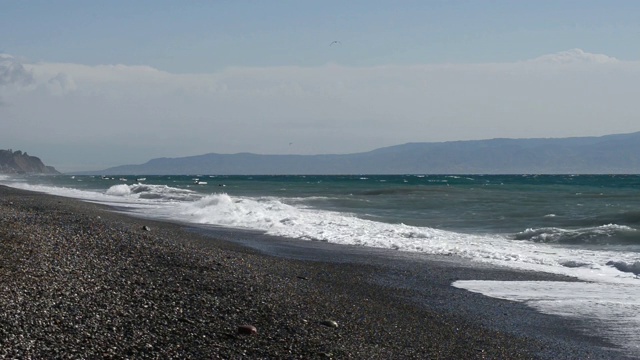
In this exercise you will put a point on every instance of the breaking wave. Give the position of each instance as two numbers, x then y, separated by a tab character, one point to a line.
610	234
153	192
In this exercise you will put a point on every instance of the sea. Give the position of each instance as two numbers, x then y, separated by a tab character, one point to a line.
583	226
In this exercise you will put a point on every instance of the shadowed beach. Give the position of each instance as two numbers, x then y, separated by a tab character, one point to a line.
78	280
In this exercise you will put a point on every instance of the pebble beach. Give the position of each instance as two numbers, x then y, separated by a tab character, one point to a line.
79	280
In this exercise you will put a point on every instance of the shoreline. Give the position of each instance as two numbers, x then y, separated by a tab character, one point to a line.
80	280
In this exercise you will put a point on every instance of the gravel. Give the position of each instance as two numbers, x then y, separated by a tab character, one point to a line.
80	281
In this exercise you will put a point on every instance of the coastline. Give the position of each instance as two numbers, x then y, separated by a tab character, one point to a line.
79	280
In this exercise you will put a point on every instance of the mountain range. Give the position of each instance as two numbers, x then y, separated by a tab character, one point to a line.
611	154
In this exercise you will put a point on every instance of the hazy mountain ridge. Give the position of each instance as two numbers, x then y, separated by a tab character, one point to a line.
17	162
611	154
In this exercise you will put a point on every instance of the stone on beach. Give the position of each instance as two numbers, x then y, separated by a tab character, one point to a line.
247	330
329	323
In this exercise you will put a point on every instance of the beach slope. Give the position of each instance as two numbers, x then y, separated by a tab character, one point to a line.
78	280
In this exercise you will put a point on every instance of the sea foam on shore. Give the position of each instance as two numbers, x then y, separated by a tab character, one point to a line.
77	281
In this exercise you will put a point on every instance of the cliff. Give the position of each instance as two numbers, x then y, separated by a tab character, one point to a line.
17	162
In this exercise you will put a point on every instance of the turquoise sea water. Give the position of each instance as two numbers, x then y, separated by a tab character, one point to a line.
576	210
584	226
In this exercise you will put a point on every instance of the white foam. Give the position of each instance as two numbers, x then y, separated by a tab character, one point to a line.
133	204
582	235
119	190
613	307
153	192
277	218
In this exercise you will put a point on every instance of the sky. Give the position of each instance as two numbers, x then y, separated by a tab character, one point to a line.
86	85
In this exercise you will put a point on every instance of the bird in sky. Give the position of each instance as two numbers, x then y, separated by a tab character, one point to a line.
334	42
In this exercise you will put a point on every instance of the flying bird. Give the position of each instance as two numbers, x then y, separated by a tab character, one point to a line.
335	42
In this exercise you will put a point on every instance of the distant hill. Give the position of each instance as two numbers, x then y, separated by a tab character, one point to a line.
612	154
17	162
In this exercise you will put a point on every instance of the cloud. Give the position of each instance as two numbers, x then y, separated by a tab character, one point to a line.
61	84
12	72
575	56
13	76
138	112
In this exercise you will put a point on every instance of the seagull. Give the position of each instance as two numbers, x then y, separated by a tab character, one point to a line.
335	42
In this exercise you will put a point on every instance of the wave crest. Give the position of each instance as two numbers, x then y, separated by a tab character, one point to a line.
610	234
153	192
626	267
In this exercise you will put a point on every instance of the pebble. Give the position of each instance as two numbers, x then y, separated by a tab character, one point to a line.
329	323
247	330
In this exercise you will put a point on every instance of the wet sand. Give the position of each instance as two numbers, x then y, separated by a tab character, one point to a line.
78	280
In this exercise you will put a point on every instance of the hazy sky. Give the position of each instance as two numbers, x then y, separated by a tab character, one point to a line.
86	85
